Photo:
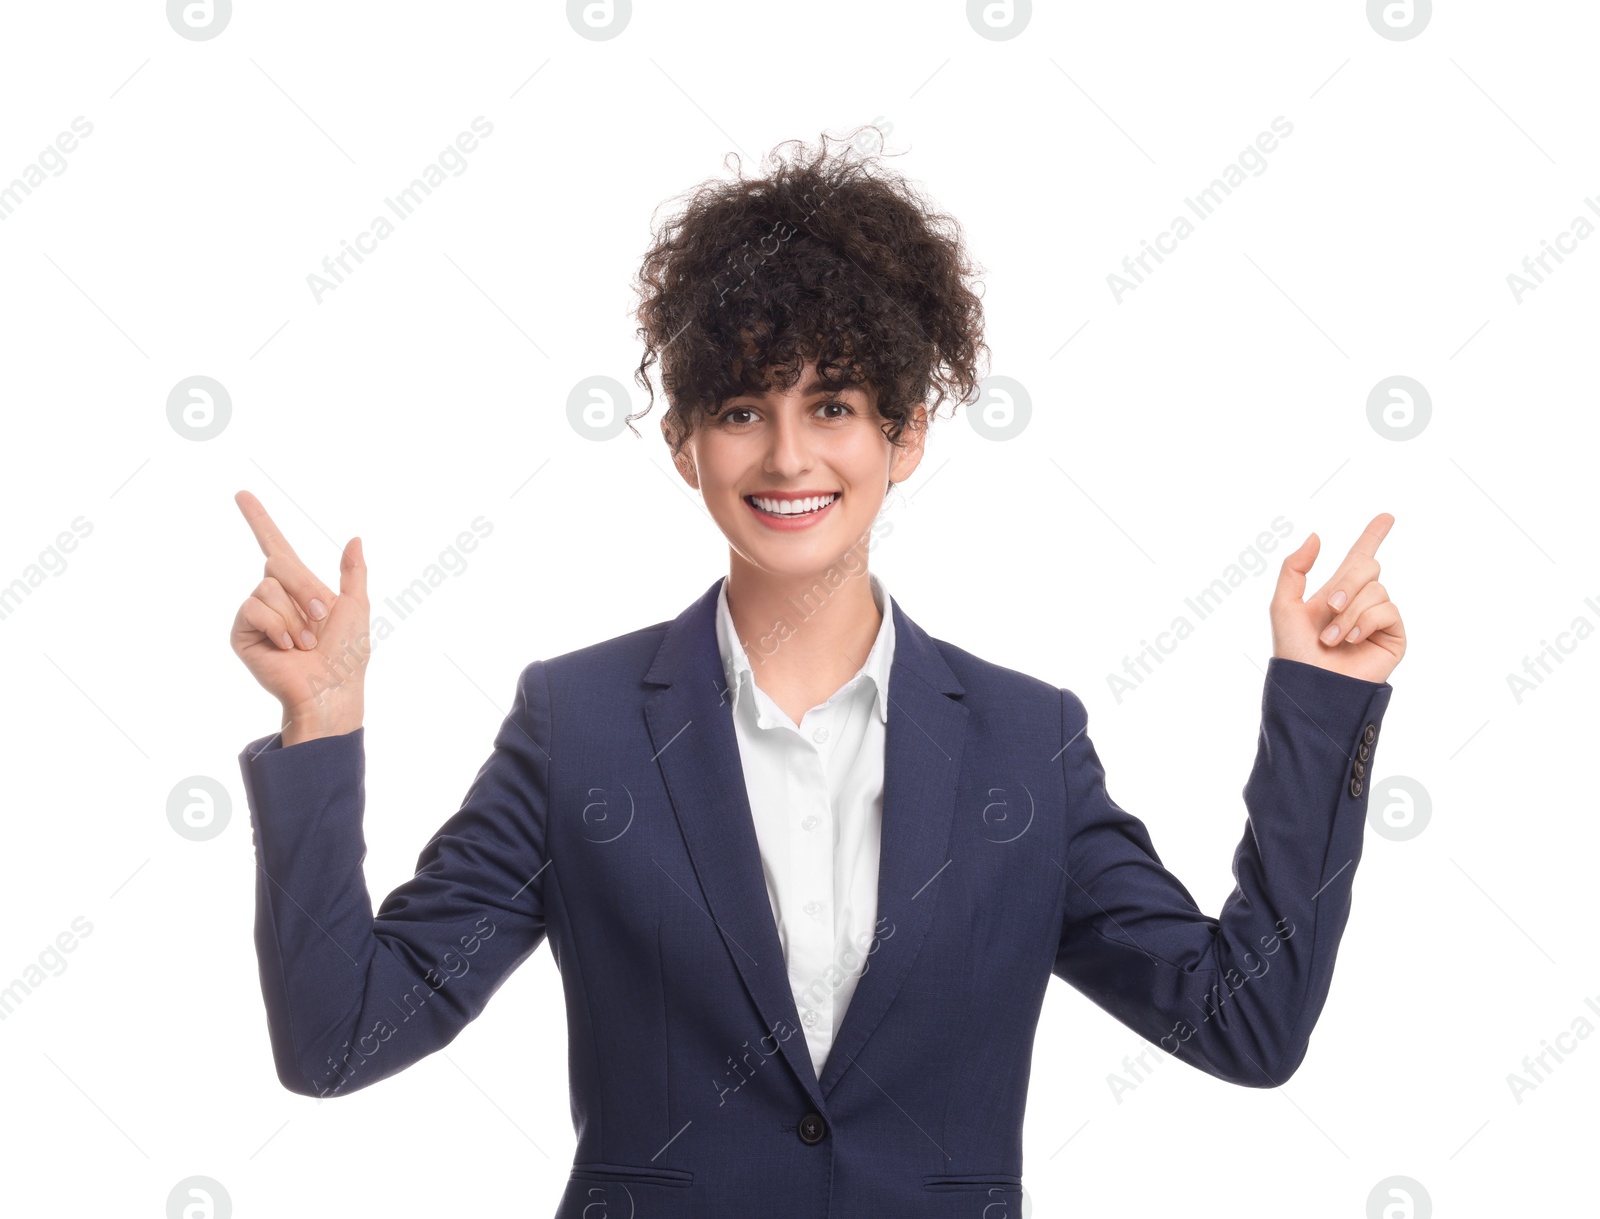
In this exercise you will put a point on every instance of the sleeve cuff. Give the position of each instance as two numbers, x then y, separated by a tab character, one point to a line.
289	789
1327	710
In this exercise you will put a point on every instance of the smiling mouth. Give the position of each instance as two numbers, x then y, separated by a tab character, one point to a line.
791	507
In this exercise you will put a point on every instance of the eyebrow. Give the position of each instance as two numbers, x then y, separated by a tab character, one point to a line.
813	386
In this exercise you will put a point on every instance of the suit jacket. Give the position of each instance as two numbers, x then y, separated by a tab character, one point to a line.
611	819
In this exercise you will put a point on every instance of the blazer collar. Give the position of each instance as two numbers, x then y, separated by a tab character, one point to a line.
689	717
740	675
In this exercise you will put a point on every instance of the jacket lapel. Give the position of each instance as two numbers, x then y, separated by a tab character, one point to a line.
923	742
690	721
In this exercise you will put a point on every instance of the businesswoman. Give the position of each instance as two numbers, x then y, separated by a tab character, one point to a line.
805	943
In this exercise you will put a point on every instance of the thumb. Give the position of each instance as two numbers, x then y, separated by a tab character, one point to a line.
353	570
1292	575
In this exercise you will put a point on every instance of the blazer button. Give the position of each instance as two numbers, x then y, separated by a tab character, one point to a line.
1369	733
1363	751
1358	768
1355	786
812	1128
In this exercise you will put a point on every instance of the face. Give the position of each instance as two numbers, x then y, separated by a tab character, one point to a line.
809	448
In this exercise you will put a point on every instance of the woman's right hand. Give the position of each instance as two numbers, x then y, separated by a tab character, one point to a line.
305	645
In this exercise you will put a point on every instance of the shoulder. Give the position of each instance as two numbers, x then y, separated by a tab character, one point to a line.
1016	721
996	690
621	657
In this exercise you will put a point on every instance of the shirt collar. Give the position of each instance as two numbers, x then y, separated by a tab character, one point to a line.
880	658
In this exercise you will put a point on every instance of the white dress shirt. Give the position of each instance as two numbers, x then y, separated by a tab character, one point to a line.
816	795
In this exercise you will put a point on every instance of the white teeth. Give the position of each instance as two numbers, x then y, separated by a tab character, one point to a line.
793	507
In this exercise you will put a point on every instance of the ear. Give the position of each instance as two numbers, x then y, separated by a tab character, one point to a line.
684	461
908	453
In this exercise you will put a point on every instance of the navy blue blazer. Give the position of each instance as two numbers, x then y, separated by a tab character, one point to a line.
611	819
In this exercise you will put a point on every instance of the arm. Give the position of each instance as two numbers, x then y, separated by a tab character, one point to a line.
1235	996
352	999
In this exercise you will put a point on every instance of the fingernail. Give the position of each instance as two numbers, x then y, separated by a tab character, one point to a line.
1337	601
1331	635
307	638
1354	634
319	610
286	641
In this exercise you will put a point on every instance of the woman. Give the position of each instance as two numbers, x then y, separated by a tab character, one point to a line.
788	810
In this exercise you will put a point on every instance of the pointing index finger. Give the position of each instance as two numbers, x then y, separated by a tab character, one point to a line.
312	596
1377	529
268	535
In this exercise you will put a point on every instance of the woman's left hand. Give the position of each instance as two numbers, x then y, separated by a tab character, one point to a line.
1349	625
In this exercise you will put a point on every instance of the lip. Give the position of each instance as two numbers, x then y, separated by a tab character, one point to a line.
789	524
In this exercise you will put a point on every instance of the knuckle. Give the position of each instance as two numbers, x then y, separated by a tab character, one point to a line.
275	595
282	570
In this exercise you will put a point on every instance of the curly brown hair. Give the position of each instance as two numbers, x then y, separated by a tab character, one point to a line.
829	257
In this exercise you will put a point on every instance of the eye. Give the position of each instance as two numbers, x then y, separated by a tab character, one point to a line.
728	418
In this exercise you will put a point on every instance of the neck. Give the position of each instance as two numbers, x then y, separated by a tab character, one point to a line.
811	630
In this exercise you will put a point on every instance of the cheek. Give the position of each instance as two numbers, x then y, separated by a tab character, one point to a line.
862	458
720	470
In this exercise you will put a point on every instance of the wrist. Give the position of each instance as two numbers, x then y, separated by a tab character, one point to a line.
307	723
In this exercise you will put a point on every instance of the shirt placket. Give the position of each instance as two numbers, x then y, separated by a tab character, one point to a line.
814	834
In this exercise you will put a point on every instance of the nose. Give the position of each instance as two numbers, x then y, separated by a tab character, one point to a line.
789	453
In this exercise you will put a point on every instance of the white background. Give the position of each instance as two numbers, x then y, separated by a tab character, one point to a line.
431	387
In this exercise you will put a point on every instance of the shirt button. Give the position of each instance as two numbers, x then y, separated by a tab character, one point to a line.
811	822
812	907
810	1017
820	735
